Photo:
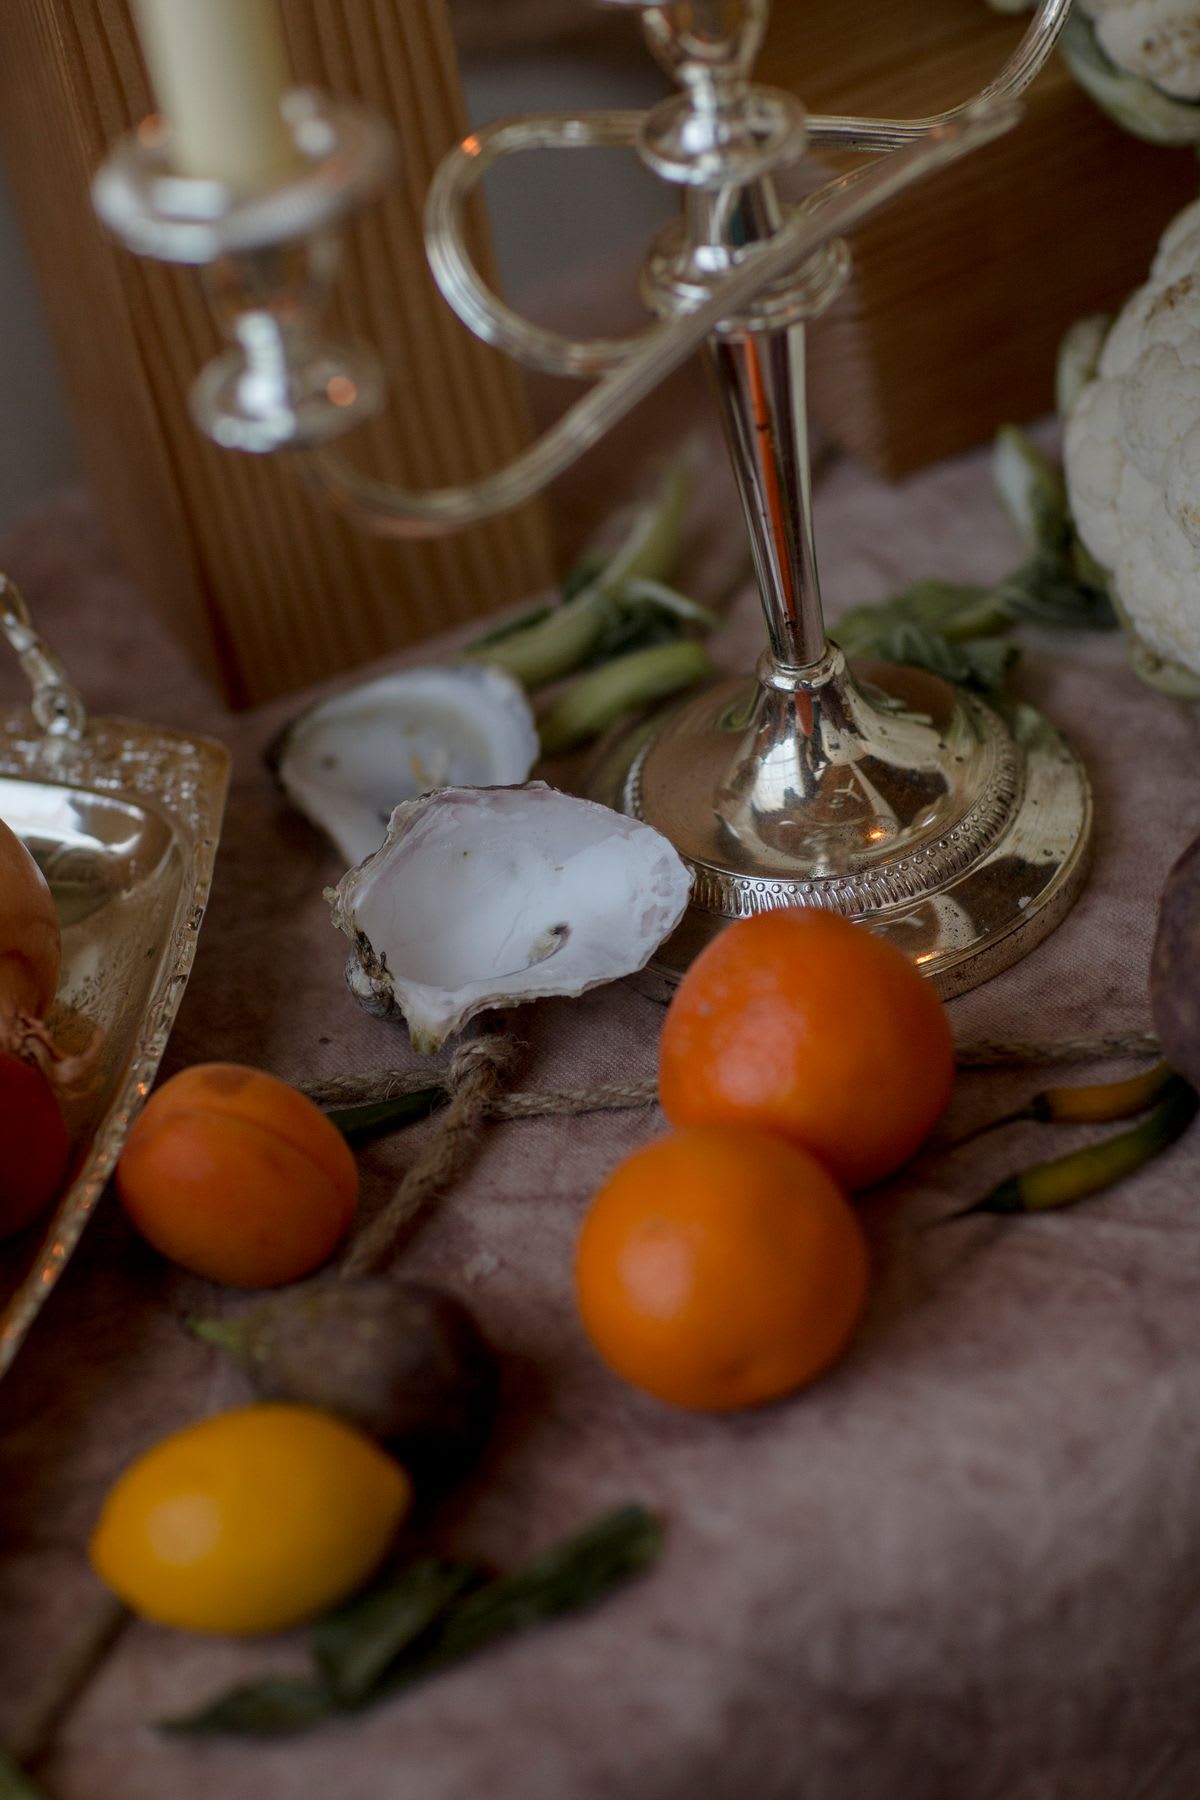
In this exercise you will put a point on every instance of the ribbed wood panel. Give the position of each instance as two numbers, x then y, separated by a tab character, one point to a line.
962	290
262	580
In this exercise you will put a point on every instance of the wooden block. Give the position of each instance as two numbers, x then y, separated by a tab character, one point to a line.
963	289
264	582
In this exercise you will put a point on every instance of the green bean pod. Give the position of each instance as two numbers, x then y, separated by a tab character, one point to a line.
593	701
1081	1173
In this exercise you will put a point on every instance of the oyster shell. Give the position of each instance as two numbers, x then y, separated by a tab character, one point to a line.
347	762
487	897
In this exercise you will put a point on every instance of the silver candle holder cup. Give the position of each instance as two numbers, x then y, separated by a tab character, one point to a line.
957	831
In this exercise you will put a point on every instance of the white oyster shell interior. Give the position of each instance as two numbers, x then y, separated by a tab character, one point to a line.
347	763
486	897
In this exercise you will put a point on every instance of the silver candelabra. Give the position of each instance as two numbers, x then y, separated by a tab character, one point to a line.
958	832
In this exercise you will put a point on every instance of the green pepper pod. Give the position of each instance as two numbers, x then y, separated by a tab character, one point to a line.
1101	1101
1093	1104
1081	1173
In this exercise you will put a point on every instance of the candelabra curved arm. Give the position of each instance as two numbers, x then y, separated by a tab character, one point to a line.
457	176
389	511
880	135
538	347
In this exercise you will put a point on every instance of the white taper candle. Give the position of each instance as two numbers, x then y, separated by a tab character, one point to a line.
219	69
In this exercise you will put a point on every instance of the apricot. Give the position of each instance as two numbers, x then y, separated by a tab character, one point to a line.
231	1173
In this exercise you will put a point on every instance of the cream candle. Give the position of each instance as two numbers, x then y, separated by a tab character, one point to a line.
219	69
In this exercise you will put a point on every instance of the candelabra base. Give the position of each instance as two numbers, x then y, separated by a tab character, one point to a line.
958	832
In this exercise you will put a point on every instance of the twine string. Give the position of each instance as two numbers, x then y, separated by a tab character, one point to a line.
474	1073
372	1085
473	1080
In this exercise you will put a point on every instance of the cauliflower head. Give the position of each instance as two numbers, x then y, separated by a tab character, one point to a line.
1156	40
1138	59
1131	453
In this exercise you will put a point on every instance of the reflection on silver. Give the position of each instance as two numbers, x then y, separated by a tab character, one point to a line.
123	819
922	816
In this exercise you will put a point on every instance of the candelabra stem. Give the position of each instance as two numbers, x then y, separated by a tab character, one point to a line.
760	382
882	794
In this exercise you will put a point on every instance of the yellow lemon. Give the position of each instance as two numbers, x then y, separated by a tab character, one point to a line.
251	1521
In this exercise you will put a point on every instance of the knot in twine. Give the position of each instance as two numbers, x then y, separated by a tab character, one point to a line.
475	1072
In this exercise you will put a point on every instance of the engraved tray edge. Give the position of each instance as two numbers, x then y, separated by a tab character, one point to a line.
184	777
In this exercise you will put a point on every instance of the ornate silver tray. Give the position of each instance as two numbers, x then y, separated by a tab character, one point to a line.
123	819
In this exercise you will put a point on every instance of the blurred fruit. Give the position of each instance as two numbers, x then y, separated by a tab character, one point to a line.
251	1521
719	1268
401	1360
36	1145
802	1023
237	1176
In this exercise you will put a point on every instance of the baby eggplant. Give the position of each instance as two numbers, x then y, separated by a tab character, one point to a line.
1174	983
401	1360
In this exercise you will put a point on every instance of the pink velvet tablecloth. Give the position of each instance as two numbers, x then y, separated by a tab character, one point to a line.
965	1566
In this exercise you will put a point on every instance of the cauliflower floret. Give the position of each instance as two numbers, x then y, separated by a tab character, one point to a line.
1162	312
1158	410
1183	486
1158	40
1179	247
1131	452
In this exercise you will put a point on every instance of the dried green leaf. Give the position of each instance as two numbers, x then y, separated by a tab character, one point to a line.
366	1650
355	1646
573	1575
276	1706
358	1124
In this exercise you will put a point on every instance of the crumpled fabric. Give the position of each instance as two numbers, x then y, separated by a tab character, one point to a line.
964	1566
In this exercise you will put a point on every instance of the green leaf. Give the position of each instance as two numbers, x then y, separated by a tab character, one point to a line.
358	1124
354	1646
980	663
422	1620
932	604
547	643
1032	492
1046	590
645	613
575	1574
276	1706
583	575
661	598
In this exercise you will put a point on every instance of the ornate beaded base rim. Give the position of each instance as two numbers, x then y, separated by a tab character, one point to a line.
981	913
731	894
